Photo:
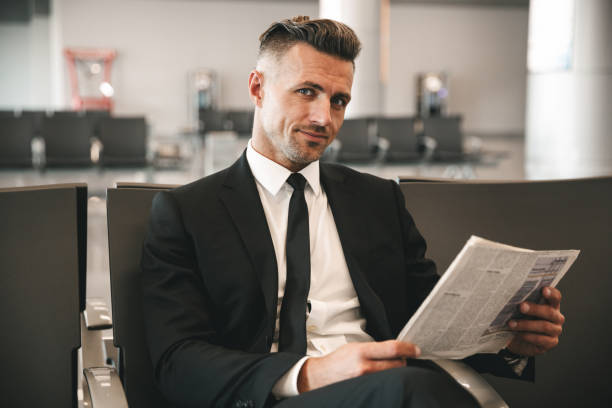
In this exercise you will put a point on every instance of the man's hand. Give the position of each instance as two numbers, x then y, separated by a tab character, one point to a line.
353	360
537	336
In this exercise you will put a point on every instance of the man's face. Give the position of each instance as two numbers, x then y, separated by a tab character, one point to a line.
303	99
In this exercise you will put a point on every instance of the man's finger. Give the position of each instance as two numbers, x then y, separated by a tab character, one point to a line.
552	296
390	349
541	341
546	312
373	366
536	326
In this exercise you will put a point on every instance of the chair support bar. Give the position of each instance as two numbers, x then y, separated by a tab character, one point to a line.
105	389
474	383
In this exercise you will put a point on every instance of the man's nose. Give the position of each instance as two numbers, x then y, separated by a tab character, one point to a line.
320	112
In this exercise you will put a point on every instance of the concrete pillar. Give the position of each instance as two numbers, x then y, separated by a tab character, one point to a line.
569	89
364	17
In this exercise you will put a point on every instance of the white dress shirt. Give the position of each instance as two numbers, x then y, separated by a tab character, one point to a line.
335	316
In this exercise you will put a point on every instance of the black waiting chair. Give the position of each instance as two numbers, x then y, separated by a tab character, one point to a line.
213	120
94	117
128	208
67	140
16	135
124	141
560	214
356	141
36	118
7	113
446	131
42	260
66	114
404	144
241	122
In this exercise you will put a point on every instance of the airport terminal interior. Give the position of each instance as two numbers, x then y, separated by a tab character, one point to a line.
155	92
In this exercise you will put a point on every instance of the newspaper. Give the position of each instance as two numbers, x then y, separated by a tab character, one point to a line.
468	310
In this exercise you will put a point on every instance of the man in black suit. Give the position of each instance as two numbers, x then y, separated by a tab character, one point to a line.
283	281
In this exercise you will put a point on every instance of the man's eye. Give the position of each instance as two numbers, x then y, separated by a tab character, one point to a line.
339	102
306	91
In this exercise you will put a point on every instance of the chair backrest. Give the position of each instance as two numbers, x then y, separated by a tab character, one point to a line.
128	208
41	262
564	214
446	131
357	143
36	118
242	121
15	141
67	140
94	117
403	140
124	141
212	120
66	113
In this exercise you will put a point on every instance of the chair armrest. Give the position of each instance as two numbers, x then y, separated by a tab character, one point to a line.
96	149
429	146
382	147
104	388
97	314
38	151
474	383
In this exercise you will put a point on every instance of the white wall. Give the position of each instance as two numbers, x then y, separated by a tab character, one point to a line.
24	64
484	50
159	42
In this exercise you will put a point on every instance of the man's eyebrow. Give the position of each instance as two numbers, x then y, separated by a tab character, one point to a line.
320	88
312	85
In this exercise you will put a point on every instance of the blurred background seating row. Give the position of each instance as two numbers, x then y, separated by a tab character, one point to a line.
239	121
86	138
404	140
71	138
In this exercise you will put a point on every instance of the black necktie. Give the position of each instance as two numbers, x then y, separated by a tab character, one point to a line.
292	336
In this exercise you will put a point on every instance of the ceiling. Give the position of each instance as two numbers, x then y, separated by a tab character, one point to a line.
492	3
23	10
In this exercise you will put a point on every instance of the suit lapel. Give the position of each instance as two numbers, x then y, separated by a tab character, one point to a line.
350	218
241	198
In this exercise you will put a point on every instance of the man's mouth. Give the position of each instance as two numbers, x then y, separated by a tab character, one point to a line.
314	135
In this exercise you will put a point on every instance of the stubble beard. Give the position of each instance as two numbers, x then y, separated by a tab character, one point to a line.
294	152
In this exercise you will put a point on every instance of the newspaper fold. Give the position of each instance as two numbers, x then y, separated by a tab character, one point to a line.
468	310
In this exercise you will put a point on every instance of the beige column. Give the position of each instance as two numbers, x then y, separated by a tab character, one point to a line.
364	16
569	89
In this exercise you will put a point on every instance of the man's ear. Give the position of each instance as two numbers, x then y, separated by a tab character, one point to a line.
256	87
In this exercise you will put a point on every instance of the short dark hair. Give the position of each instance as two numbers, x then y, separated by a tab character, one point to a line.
328	36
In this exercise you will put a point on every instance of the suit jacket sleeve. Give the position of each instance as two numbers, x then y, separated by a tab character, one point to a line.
191	365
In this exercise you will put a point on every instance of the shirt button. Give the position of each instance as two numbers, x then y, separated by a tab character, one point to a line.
312	327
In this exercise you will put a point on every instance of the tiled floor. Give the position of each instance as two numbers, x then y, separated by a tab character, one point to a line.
509	166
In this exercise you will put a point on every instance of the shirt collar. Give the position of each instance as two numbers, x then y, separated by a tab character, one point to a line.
272	176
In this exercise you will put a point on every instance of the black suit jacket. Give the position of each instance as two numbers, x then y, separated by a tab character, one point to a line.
210	279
